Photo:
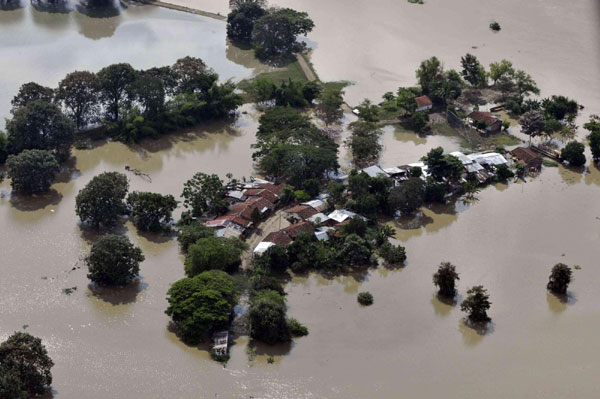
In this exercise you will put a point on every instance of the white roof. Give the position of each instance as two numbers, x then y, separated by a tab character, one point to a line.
394	171
235	194
490	158
229	232
322	235
339	215
317	204
320	216
473	167
262	247
462	157
374	171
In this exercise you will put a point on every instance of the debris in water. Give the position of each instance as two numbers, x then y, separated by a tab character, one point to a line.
577	267
69	291
138	173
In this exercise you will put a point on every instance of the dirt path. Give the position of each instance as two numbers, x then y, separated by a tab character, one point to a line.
310	74
185	9
274	223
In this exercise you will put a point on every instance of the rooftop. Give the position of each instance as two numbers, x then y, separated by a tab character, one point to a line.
423	101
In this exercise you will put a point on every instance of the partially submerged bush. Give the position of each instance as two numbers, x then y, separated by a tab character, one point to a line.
495	26
365	298
296	328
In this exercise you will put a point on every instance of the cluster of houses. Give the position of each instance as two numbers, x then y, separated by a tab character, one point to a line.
258	197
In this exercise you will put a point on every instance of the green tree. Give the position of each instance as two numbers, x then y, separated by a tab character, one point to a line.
354	251
503	172
443	166
32	171
214	253
364	142
500	69
78	94
274	34
275	259
101	201
150	211
264	89
26	362
392	254
445	278
476	304
296	328
3	147
201	304
149	92
560	108
329	108
573	153
382	233
116	87
113	260
204	194
30	92
430	75
560	278
368	112
267	316
193	75
241	20
473	72
450	87
593	126
40	125
524	84
408	196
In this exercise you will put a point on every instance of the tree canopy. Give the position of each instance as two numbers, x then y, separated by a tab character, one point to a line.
445	278
241	20
274	34
204	194
24	367
560	278
573	153
214	253
78	94
408	196
113	260
30	92
473	72
116	83
267	316
101	201
150	211
201	304
593	126
476	304
32	171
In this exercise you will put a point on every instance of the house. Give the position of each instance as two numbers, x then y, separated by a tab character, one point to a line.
285	236
374	171
529	157
342	215
294	230
301	212
396	173
492	124
318	218
229	226
487	159
423	103
262	193
278	238
317	204
262	247
244	209
322	233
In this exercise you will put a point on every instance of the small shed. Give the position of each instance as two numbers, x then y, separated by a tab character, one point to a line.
492	124
262	247
529	157
423	103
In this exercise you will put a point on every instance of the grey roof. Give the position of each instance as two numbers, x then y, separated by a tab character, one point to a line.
374	171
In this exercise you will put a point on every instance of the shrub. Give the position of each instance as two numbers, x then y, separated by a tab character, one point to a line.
503	172
560	278
495	26
113	260
445	278
365	298
296	328
392	254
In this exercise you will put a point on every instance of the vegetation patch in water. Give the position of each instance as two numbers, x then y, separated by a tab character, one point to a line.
365	298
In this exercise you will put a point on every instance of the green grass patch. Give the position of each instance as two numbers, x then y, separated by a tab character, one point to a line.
549	163
443	129
416	1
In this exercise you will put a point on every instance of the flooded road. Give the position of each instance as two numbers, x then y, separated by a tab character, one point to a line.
115	343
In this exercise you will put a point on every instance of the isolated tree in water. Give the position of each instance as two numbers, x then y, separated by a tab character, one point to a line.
476	304
445	278
32	171
101	201
150	211
560	278
114	260
24	362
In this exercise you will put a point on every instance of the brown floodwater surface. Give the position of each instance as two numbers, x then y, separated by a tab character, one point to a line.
116	343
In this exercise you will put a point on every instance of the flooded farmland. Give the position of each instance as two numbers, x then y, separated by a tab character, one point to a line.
115	343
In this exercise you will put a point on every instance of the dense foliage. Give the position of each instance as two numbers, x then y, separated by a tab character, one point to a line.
241	20
560	278
573	153
190	233
204	194
476	304
113	260
593	126
274	34
24	367
101	201
150	211
201	304
445	278
213	253
365	298
267	317
32	171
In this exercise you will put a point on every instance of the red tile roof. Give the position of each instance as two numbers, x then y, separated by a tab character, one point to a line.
423	101
244	209
525	154
303	211
234	219
299	228
488	118
263	193
278	238
274	188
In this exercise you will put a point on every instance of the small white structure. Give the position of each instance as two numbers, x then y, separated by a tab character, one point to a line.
488	158
318	218
341	215
322	235
220	342
262	247
317	204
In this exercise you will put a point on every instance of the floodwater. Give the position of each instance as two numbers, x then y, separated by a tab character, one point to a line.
115	343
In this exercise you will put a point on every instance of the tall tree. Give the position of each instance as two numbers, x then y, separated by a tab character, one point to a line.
275	33
101	201
445	278
204	193
476	304
500	69
193	75
32	171
593	126
241	20
149	92
430	75
114	260
150	211
41	125
30	92
78	93
473	72
116	82
532	124
407	197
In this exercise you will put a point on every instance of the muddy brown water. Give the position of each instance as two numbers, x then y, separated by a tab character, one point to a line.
115	343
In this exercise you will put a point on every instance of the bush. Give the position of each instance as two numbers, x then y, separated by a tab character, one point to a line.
296	328
24	367
275	259
113	260
495	26
301	196
101	200
392	254
503	172
476	304
435	192
560	278
32	171
267	316
201	304
260	282
150	211
365	298
214	253
445	278
408	197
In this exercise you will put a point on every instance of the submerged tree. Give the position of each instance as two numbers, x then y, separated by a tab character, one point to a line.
267	316
473	72
150	211
241	20
532	124
116	83
204	193
573	153
32	171
476	304
593	126
329	108
101	201
24	362
274	34
560	278
407	197
445	278
114	260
